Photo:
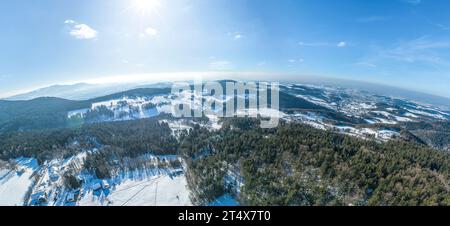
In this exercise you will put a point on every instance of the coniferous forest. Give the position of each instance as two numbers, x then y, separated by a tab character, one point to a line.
299	165
293	164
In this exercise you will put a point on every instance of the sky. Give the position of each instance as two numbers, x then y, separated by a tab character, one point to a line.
404	43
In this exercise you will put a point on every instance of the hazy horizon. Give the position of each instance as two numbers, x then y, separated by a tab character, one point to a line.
109	85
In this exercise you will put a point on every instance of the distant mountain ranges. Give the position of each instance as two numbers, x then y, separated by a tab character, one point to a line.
343	109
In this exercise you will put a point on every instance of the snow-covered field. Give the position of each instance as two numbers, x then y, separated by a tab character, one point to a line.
31	184
14	184
125	108
160	190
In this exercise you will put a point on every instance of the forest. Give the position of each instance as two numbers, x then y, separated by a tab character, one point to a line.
131	138
51	113
293	164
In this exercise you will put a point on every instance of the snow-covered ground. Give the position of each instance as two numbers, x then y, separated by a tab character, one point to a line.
14	184
159	190
125	108
31	184
140	187
318	122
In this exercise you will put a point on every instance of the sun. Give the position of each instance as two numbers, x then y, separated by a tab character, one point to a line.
145	7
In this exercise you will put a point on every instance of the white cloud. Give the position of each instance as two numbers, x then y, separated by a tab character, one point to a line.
81	31
5	76
151	32
425	51
342	44
262	63
322	44
69	22
366	64
412	2
422	50
238	36
442	27
220	65
292	61
314	44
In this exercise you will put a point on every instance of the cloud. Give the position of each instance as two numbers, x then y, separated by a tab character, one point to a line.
151	32
314	44
421	50
342	45
412	2
262	63
442	27
292	61
323	44
221	65
367	63
5	76
69	22
81	31
238	36
425	51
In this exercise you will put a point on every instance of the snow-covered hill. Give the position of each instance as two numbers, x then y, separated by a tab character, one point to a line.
349	111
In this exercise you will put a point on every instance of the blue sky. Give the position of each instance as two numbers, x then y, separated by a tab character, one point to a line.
404	43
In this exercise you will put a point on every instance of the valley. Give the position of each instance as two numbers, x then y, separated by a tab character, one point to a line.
334	146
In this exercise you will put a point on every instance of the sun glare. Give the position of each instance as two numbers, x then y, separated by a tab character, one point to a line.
145	7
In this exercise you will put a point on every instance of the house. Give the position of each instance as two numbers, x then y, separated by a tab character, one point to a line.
70	197
96	186
54	177
105	184
176	173
39	198
80	179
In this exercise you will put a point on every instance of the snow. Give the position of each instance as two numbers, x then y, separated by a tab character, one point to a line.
308	116
370	121
79	112
177	126
317	101
424	113
3	173
160	190
214	121
386	121
383	113
403	119
316	125
124	108
407	114
14	184
142	186
51	182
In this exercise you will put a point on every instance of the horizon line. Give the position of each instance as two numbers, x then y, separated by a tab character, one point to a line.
135	79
